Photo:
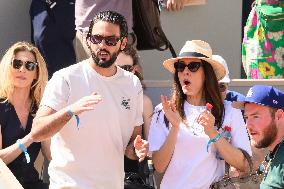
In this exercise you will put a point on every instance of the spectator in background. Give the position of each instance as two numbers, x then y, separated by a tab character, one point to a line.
22	81
53	32
128	60
224	83
263	42
186	140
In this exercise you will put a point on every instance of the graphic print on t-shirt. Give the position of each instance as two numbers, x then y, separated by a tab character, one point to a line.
126	103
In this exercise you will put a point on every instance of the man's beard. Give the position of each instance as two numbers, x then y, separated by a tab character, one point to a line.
104	63
270	134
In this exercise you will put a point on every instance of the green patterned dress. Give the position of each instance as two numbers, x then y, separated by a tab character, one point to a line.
263	50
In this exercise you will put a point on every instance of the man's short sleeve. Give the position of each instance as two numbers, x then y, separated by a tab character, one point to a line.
56	93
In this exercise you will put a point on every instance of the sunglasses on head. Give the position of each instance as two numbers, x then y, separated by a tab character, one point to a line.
29	65
192	66
223	87
127	67
109	40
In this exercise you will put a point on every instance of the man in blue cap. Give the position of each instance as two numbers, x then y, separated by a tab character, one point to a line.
264	114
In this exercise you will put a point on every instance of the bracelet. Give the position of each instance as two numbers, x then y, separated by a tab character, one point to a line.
24	150
213	140
70	113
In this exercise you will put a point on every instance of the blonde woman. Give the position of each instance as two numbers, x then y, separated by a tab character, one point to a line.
23	76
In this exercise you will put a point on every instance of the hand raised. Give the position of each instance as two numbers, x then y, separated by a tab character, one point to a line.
85	104
170	112
207	120
141	148
175	5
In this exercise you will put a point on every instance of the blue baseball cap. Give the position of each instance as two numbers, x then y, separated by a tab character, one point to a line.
263	95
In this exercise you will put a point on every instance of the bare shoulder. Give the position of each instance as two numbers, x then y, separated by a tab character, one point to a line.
147	102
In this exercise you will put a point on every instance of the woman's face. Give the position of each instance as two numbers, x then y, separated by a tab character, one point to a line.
23	69
125	62
191	79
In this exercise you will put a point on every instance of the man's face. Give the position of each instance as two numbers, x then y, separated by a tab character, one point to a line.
260	124
105	43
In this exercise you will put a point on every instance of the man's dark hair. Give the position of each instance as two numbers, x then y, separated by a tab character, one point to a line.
112	17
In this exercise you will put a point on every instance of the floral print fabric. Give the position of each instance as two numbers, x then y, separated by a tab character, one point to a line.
262	51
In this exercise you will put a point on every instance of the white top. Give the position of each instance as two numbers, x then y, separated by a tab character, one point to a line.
191	166
92	157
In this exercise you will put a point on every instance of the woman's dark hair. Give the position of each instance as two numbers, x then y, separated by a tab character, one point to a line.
211	92
131	51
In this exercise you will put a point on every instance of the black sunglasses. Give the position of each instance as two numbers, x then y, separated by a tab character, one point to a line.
29	65
192	66
109	40
127	67
222	87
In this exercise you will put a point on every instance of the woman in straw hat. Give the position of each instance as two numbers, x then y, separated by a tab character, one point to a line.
187	140
22	81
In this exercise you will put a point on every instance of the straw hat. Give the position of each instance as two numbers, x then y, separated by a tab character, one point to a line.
197	49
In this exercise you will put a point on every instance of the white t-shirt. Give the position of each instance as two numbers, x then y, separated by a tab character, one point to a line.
92	156
191	166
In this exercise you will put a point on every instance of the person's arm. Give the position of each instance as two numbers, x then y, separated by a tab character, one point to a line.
48	122
240	138
162	157
230	154
45	149
129	151
10	153
147	115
